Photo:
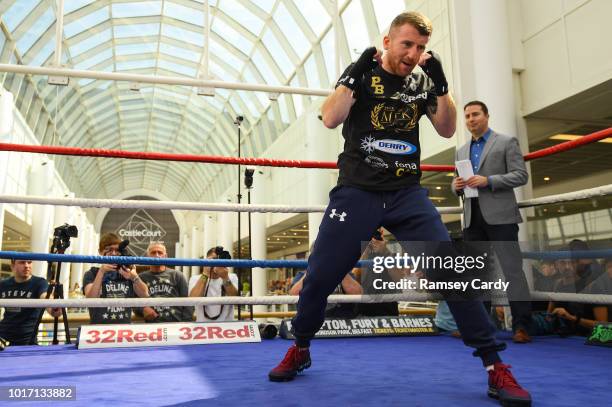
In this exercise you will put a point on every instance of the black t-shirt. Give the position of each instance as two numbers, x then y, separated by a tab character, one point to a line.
381	133
168	284
113	286
18	324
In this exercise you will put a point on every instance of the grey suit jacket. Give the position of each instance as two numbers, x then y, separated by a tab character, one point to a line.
503	162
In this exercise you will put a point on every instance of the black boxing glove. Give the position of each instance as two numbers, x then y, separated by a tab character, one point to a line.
365	63
433	68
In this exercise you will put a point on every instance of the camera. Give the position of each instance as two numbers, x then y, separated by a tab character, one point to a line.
123	251
62	235
66	231
222	254
238	120
248	177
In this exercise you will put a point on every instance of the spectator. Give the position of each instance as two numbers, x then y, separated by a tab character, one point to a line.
214	282
444	320
112	281
349	285
377	247
586	269
164	283
75	292
18	326
544	279
574	318
602	286
545	276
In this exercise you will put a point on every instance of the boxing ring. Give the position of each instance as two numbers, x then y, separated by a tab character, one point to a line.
394	371
416	370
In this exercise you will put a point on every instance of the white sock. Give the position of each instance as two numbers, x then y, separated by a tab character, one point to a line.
490	368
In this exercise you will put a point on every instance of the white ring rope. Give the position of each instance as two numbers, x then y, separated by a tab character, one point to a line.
603	190
267	300
216	207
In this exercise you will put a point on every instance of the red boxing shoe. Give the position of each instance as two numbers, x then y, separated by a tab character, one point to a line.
295	361
503	386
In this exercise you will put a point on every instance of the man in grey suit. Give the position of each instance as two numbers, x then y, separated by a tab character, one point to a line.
494	215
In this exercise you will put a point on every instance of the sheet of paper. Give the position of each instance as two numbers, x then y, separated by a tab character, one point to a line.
464	168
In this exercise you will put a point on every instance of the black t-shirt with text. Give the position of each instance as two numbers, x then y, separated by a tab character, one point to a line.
113	286
18	324
381	148
168	284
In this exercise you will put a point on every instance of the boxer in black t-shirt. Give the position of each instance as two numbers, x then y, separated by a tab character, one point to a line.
380	100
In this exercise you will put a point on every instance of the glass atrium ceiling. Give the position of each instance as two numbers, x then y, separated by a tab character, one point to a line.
270	42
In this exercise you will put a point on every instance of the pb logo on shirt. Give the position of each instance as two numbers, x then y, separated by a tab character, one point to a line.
378	89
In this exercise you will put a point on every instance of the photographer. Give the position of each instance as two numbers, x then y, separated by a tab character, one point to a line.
112	281
19	324
214	282
164	283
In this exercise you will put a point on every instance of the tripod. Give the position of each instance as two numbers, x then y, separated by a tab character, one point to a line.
61	241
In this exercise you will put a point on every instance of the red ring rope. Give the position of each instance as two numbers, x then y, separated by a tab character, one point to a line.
570	145
266	162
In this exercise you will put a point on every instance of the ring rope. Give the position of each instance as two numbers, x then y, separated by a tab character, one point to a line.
218	207
210	159
266	162
596	192
237	263
75	258
570	145
269	300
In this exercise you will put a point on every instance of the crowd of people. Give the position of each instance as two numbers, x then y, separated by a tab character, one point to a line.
19	325
578	276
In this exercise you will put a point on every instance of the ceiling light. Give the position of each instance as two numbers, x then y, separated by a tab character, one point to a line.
438	188
546	178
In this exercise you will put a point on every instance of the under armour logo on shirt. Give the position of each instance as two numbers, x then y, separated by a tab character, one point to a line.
333	214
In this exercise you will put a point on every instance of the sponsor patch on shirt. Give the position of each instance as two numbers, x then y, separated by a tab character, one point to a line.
390	146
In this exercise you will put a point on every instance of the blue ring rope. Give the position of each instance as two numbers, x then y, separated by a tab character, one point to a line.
301	264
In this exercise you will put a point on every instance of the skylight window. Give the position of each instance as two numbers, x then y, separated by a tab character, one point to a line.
35	31
181	34
139	9
187	14
241	14
291	30
86	22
